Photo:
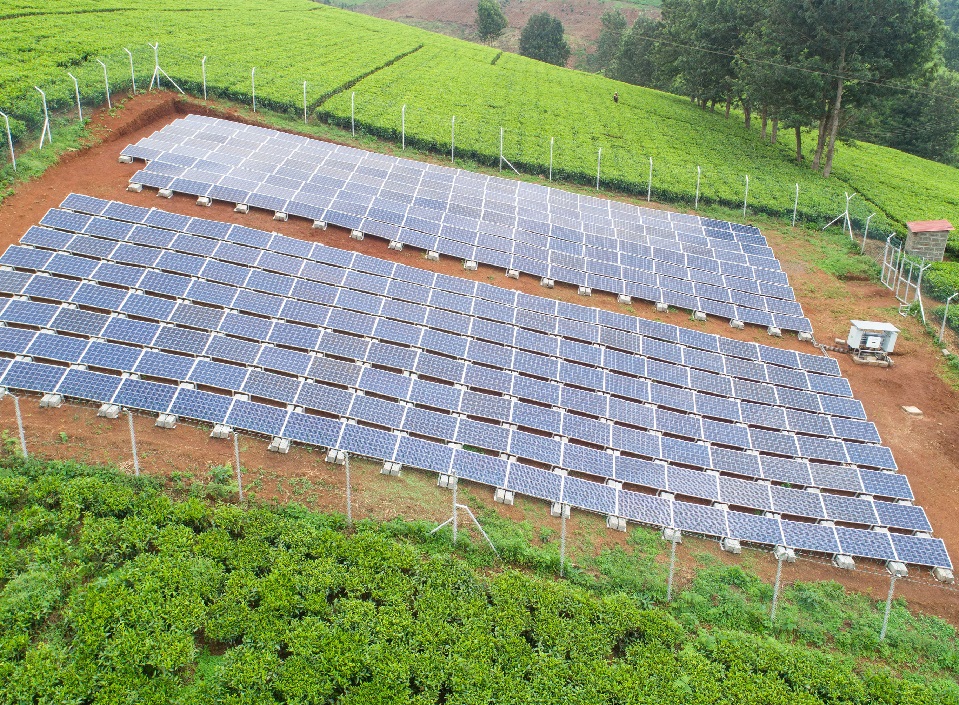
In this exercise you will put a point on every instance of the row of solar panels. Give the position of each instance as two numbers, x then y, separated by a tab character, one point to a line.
732	304
495	472
398	208
533	202
554	317
455	371
500	408
353	402
372	214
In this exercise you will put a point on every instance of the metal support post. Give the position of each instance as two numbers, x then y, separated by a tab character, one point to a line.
795	205
304	102
76	88
649	186
501	149
46	120
253	84
699	176
455	513
157	70
779	574
746	196
562	541
453	140
349	490
203	71
133	445
672	571
885	618
353	113
865	234
106	81
13	157
133	75
403	127
551	158
599	161
236	458
945	317
23	437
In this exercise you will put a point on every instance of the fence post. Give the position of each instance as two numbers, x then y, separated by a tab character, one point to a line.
253	86
236	456
795	205
76	87
672	569
551	158
599	161
649	187
885	618
46	120
453	140
133	445
133	75
403	116
945	317
106	80
203	69
349	492
353	113
501	149
746	196
562	541
779	574
304	102
699	174
13	157
23	438
862	250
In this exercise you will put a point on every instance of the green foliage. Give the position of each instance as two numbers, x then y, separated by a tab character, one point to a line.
941	280
542	39
490	21
112	592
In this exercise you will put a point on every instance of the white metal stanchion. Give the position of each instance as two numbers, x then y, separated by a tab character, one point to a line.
157	70
133	445
885	618
672	567
353	113
236	457
13	157
746	196
599	161
253	86
453	140
795	205
562	541
46	120
76	88
551	158
501	149
23	437
106	81
649	185
203	72
304	102
699	175
133	75
349	490
403	127
945	317
779	575
862	250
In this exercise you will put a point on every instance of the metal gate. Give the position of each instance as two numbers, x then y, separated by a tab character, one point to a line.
902	275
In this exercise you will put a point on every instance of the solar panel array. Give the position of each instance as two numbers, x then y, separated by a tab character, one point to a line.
301	341
695	263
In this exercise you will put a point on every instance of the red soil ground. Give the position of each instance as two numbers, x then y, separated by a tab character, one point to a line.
924	447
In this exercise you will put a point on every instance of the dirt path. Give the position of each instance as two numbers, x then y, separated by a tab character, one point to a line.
924	448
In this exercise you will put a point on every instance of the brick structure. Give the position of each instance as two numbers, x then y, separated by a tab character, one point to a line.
927	239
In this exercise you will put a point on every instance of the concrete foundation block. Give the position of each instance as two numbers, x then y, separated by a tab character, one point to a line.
662	306
781	553
356	235
774	332
731	545
616	523
334	456
512	274
433	256
166	421
135	188
504	496
279	445
736	324
241	208
165	193
124	159
51	401
319	225
843	562
446	481
109	411
392	469
804	336
558	509
672	535
281	216
699	315
221	431
943	575
547	282
470	265
584	291
204	201
395	245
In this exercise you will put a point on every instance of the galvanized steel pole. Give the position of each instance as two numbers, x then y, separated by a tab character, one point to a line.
133	445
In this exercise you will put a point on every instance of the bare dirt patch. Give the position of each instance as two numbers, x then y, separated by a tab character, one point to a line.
924	448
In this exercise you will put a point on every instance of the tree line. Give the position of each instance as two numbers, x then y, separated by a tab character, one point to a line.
543	37
883	71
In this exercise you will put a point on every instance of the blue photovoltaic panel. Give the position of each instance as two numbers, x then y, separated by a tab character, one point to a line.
534	482
92	386
111	356
54	347
200	405
424	455
810	537
753	528
643	508
32	376
258	418
312	430
15	340
480	468
369	442
148	396
921	551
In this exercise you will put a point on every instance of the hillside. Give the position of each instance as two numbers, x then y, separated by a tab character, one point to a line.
389	65
112	590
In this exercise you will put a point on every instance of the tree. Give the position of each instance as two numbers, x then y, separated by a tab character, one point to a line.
610	41
857	45
542	39
490	21
638	61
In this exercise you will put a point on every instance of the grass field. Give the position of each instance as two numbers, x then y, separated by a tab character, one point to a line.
388	65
